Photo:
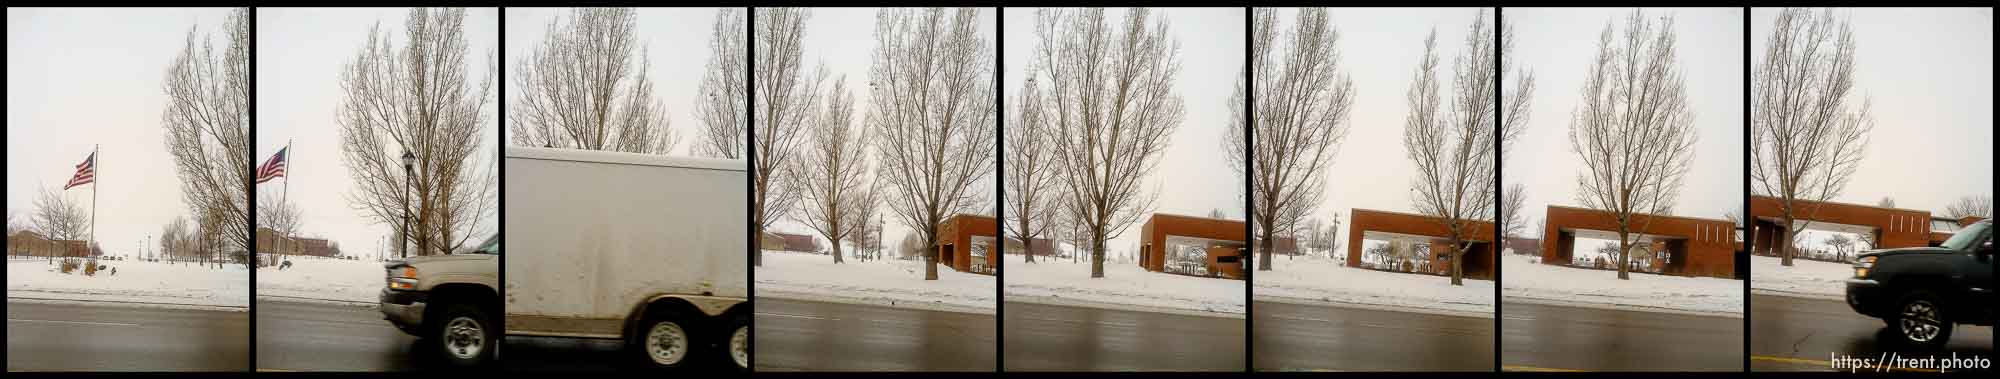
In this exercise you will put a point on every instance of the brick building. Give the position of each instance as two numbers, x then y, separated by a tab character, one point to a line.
1673	245
966	243
1196	246
269	242
1367	224
1888	227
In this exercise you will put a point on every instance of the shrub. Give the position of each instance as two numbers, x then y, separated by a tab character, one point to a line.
90	269
68	265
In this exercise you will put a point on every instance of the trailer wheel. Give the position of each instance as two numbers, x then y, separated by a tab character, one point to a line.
664	339
735	338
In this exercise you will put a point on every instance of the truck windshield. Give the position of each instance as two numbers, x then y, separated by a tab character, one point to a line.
1965	238
491	246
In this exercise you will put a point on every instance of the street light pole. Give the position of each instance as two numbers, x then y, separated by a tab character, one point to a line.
402	246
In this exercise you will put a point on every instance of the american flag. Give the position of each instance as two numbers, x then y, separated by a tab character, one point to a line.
86	172
273	168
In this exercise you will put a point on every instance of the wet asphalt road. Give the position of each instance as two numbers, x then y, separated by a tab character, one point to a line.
795	335
301	336
1062	338
78	337
1294	337
1535	337
1798	334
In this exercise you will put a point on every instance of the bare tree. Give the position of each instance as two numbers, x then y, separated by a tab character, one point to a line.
1510	210
1806	136
787	102
1886	202
931	100
582	88
832	177
1840	244
1113	108
1970	206
1030	180
14	222
1454	152
720	106
174	237
1634	130
284	218
57	217
207	122
1303	102
418	99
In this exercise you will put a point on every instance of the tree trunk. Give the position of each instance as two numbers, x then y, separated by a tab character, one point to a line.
1784	243
1624	255
1264	254
836	253
1096	254
930	254
1030	248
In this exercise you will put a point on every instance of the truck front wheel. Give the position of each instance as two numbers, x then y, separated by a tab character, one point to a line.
1919	321
464	335
663	340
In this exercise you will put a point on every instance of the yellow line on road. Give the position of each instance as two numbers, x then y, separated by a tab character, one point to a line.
1535	369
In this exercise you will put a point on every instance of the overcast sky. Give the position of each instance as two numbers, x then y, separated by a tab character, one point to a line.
300	52
1379	50
1930	74
1559	44
77	77
1193	175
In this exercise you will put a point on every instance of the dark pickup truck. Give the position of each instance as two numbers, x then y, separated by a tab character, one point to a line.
1921	292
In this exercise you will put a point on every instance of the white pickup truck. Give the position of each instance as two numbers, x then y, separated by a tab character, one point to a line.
650	250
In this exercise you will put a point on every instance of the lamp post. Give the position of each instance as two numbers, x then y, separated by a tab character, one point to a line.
403	244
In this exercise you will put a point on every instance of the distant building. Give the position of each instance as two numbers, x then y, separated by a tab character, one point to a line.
28	243
789	242
269	242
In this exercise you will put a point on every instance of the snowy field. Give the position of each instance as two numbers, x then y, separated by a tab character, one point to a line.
158	283
319	278
1813	279
1319	279
889	282
1124	283
1524	279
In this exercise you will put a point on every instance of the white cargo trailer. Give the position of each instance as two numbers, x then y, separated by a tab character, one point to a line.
651	250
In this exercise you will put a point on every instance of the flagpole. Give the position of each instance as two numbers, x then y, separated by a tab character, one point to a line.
287	189
95	182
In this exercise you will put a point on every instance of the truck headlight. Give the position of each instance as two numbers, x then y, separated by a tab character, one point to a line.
1861	266
403	278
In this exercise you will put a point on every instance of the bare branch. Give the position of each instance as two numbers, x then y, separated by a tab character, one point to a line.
1303	102
1807	136
720	106
1114	107
582	88
207	122
419	99
1634	131
931	103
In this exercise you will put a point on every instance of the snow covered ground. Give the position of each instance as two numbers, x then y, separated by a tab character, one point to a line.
319	278
1125	283
1319	279
896	283
1813	279
135	282
1524	279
